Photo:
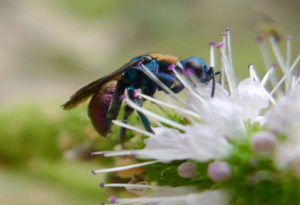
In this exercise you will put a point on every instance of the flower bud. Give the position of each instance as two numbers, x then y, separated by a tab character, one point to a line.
186	170
263	142
219	171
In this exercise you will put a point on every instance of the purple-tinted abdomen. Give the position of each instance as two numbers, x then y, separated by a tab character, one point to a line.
99	106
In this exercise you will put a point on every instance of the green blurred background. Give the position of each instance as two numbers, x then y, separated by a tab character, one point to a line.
51	48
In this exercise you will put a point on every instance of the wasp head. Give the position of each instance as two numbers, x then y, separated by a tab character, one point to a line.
195	66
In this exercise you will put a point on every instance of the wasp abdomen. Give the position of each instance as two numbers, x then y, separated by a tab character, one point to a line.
99	106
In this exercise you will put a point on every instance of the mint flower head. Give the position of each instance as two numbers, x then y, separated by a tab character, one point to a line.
241	146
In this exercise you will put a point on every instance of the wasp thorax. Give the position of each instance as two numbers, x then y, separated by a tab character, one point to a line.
146	59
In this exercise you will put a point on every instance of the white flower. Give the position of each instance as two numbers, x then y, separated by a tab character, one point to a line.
284	119
203	143
285	116
215	197
252	97
287	153
222	114
164	146
200	142
216	122
179	196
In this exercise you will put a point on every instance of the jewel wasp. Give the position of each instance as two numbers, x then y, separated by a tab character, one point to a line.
106	93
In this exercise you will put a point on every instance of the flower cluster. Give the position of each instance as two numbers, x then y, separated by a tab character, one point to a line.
241	146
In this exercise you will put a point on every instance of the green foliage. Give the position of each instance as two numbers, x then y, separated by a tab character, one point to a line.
91	8
140	144
35	137
72	175
255	179
178	118
41	131
166	175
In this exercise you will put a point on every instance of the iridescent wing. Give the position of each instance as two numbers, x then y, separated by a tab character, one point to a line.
87	91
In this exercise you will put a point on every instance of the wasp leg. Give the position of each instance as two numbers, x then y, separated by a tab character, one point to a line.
177	88
213	78
169	80
145	122
139	102
213	87
219	73
114	107
127	112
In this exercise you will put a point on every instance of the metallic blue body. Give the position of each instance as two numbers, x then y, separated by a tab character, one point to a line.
135	78
198	67
131	77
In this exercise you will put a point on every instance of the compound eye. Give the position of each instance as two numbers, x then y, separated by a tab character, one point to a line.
196	66
146	59
193	64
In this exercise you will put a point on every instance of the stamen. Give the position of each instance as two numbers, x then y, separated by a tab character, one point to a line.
130	127
280	60
293	82
224	40
184	82
229	72
297	81
195	80
295	63
155	116
285	76
144	200
267	76
119	153
265	54
179	109
288	51
229	50
267	61
130	186
272	100
212	61
253	73
97	153
179	65
170	67
113	199
115	169
212	43
192	77
162	85
228	29
219	46
135	92
277	53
